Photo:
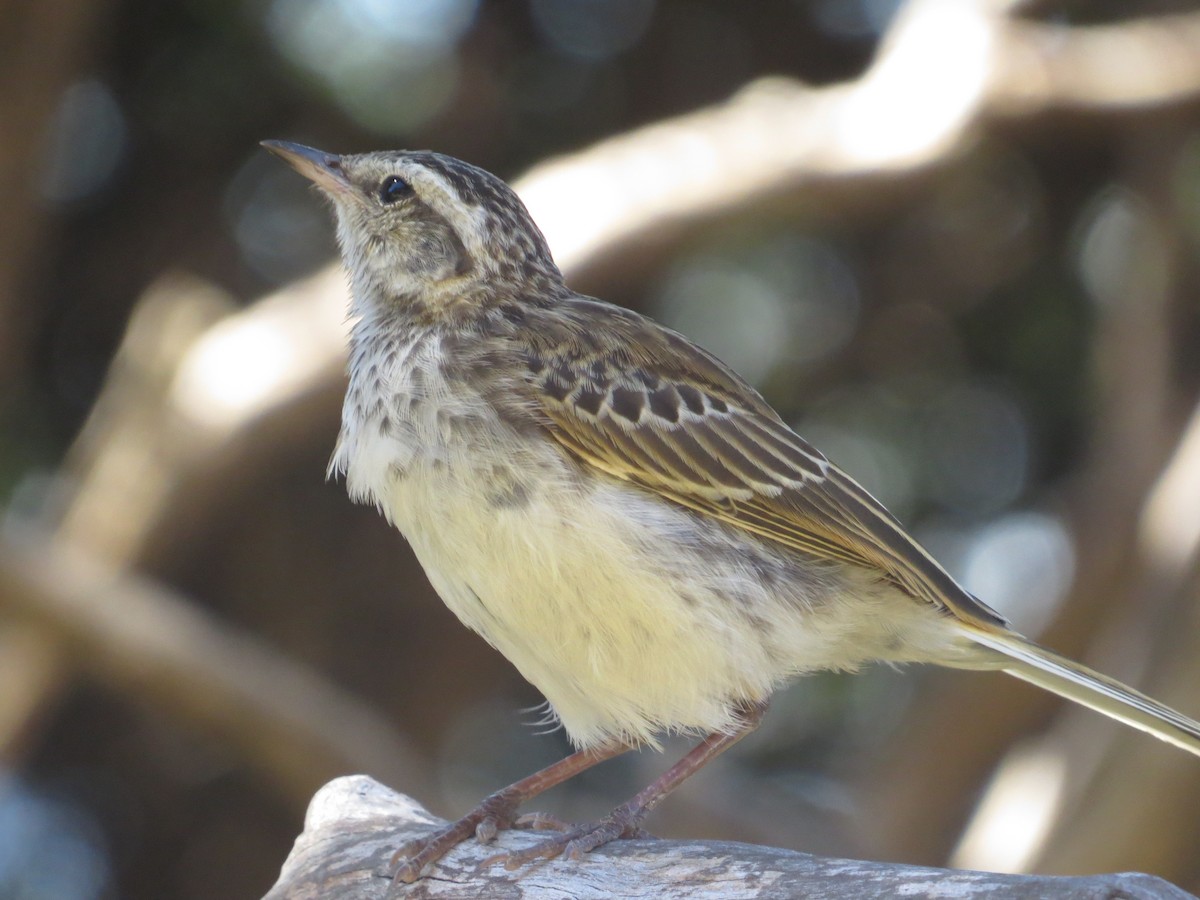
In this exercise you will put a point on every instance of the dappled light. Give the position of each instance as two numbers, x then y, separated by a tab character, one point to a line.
1016	812
87	141
390	65
1024	564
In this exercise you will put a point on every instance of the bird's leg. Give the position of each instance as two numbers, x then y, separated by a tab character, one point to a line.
495	812
625	821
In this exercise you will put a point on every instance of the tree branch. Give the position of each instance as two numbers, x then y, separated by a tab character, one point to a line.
355	824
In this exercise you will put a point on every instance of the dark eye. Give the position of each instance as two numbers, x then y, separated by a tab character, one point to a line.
394	188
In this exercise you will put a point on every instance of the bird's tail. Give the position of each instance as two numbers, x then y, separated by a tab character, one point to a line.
1067	678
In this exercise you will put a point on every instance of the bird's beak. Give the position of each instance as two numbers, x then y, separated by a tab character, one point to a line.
321	168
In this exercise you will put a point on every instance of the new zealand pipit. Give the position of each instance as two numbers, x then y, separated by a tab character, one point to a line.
609	505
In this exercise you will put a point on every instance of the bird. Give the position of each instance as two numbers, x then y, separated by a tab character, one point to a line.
613	508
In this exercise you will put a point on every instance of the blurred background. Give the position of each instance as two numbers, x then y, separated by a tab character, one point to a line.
955	242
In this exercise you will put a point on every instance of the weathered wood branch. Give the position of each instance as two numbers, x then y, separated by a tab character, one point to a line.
355	824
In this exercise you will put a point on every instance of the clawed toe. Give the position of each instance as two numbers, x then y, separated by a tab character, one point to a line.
575	841
483	822
410	860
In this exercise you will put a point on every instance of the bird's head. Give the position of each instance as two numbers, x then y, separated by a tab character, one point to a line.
424	227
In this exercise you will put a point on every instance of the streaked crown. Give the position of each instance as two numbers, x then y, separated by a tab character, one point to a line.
418	224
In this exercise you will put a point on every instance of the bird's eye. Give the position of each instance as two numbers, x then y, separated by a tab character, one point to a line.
394	188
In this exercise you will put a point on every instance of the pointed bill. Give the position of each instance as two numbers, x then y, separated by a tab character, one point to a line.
321	168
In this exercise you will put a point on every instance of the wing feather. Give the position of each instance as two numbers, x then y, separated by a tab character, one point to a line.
674	420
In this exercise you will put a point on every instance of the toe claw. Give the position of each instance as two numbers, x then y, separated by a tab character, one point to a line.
406	873
485	831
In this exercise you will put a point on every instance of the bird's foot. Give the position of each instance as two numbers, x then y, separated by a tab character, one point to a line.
495	813
622	823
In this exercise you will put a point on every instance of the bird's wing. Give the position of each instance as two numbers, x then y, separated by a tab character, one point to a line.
645	405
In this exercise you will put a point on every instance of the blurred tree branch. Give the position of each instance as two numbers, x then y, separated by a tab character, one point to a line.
1122	68
144	641
137	455
189	409
1166	614
944	74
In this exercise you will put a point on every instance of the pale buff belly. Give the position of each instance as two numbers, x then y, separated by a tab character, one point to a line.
627	616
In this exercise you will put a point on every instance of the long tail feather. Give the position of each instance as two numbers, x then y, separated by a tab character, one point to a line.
1067	678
